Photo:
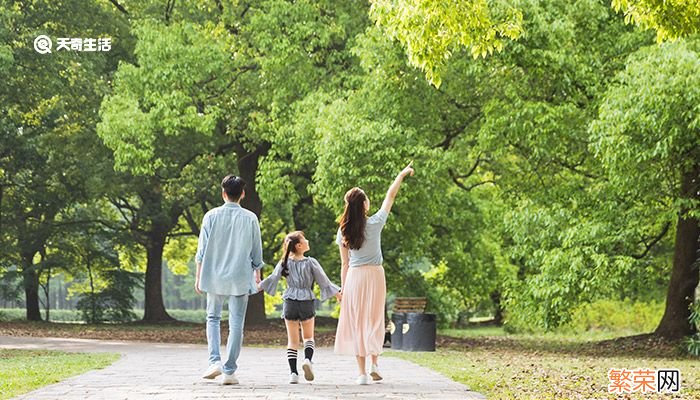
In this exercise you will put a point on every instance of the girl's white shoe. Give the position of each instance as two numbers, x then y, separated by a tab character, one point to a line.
308	370
293	378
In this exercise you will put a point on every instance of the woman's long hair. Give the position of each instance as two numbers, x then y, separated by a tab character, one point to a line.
354	219
290	243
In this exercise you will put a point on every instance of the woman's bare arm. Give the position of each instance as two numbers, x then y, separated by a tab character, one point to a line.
394	188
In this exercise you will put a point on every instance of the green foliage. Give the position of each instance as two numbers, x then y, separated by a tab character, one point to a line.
57	315
670	19
548	167
443	299
147	115
566	238
113	303
432	31
646	132
693	342
615	316
47	125
178	253
10	285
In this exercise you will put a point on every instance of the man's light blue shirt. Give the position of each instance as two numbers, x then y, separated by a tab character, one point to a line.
229	249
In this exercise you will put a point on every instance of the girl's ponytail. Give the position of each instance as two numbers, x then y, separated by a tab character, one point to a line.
285	269
290	243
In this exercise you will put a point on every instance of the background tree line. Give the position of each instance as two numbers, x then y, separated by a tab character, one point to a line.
556	146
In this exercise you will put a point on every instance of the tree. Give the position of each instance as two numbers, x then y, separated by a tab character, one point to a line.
359	136
432	30
48	116
523	125
569	241
670	19
163	130
208	86
647	138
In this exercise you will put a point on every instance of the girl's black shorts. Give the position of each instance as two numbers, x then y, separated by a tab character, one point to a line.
298	310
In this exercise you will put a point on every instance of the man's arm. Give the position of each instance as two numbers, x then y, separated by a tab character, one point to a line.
256	252
196	281
201	248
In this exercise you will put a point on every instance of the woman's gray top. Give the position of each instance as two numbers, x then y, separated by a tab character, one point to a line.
371	251
300	281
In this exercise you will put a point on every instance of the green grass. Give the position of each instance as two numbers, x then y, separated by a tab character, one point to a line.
551	366
563	336
22	371
473	332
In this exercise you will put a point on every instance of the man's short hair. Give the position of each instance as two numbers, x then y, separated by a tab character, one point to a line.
233	186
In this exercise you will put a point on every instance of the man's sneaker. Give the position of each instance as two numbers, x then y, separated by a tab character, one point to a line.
213	371
308	369
293	378
230	379
374	373
363	380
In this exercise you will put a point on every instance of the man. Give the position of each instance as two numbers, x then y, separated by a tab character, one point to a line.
229	259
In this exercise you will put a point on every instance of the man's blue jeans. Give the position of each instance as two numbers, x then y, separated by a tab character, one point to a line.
236	315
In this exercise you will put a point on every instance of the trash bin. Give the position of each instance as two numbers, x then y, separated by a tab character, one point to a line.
396	329
420	332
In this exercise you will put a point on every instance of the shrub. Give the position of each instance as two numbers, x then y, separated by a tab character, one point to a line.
115	302
615	315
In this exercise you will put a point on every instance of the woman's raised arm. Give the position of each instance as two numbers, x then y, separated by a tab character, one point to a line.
394	188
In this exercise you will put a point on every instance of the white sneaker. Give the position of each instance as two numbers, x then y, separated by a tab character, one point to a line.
308	370
213	371
374	373
363	380
293	378
230	379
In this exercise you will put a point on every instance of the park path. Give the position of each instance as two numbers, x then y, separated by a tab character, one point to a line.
171	371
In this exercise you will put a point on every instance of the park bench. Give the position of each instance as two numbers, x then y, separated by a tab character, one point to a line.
410	304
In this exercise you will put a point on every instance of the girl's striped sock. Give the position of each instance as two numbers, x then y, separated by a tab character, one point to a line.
309	349
292	359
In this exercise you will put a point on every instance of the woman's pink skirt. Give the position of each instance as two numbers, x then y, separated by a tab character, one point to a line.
361	322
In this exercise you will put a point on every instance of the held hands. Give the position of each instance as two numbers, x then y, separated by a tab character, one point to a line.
339	296
257	277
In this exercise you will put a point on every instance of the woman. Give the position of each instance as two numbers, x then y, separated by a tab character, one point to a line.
361	323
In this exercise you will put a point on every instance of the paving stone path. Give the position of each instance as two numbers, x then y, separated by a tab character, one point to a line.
171	371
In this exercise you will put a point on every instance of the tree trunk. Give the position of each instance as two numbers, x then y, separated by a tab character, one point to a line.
154	309
684	277
498	313
93	304
47	293
31	288
248	168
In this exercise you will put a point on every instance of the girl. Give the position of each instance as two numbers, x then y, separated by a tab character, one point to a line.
361	323
298	308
